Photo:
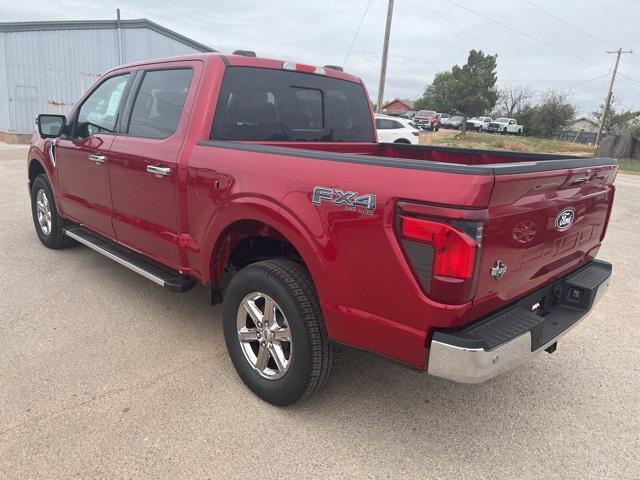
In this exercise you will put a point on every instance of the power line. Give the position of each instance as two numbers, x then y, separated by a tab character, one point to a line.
569	24
524	34
628	77
355	36
577	29
568	87
629	86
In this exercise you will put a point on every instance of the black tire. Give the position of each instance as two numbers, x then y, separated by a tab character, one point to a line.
55	237
437	128
313	356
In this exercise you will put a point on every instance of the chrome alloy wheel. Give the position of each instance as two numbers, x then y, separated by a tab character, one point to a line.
43	209
264	335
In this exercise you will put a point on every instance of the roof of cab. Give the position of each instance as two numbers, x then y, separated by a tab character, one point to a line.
240	61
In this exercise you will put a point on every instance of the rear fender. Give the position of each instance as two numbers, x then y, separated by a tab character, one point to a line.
281	223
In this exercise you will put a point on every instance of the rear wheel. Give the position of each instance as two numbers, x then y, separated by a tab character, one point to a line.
46	219
275	333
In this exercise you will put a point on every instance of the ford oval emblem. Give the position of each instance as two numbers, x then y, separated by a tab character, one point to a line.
565	218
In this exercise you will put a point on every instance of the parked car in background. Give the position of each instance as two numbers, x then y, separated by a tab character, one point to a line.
444	117
478	123
505	125
454	123
427	120
396	130
410	114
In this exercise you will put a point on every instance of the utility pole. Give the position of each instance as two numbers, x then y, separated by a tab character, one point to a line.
607	103
119	37
385	52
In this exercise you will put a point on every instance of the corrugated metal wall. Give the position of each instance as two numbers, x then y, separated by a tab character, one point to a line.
47	71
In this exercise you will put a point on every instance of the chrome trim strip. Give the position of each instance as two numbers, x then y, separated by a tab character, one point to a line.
52	152
115	258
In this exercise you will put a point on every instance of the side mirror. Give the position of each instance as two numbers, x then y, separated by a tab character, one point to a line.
50	126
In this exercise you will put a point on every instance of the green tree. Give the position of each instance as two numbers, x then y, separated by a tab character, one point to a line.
468	90
473	88
436	95
553	113
625	121
529	117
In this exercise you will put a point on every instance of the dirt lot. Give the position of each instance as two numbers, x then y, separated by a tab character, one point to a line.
105	375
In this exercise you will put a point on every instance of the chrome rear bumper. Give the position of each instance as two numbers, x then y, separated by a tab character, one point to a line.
510	337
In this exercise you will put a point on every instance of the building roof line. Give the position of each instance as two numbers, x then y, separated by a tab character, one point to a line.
102	24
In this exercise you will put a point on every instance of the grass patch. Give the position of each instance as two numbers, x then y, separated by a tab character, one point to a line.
508	142
629	165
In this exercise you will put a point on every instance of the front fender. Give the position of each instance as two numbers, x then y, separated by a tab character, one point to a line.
39	152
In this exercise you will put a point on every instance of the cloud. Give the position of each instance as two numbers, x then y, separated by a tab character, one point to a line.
426	37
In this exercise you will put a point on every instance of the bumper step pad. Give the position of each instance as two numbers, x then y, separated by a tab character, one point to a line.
505	339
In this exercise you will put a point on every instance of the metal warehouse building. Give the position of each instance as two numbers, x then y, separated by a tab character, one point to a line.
45	67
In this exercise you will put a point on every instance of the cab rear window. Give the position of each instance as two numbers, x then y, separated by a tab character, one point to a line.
258	104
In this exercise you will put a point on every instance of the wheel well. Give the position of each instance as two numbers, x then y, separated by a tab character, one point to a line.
402	140
35	169
246	242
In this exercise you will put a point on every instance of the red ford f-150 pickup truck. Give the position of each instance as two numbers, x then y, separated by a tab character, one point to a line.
263	180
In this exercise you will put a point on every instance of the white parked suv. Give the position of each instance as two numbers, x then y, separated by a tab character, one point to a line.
396	130
478	123
505	125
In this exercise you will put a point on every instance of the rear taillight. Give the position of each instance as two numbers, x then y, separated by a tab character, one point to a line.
443	255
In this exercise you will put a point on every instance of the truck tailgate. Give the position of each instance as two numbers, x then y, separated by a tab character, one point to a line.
541	225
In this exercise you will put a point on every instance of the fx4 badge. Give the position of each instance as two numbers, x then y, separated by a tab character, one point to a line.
498	270
350	200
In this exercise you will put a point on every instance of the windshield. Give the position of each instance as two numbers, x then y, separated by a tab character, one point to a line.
456	118
259	104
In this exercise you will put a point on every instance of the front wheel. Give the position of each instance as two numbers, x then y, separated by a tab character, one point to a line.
275	333
46	219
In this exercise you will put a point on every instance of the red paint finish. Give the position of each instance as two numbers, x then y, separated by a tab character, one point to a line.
83	185
218	195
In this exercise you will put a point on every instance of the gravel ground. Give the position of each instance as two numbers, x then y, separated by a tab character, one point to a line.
103	374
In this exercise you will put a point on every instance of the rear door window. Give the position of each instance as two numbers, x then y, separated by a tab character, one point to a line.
259	104
158	105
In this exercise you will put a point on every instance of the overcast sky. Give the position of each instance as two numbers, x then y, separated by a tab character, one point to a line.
427	36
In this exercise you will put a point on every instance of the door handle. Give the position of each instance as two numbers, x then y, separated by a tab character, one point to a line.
98	158
158	170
